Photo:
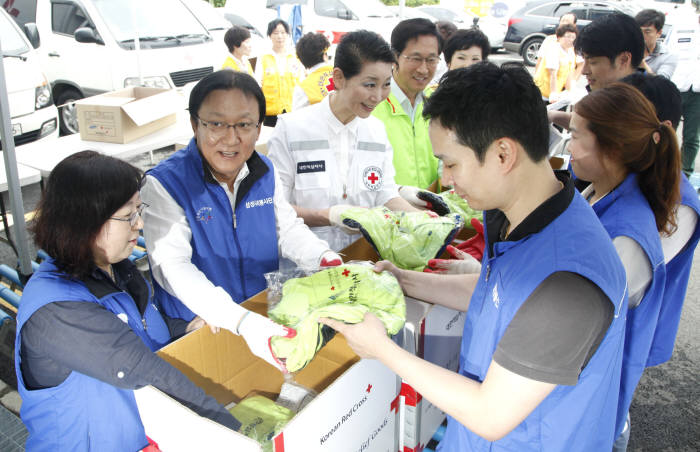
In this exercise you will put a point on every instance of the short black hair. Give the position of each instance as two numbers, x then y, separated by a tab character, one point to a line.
225	80
412	29
445	28
83	191
359	47
274	23
564	29
482	103
465	39
611	35
661	92
647	17
235	36
311	47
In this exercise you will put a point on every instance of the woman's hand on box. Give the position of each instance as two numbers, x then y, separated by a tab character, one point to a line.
366	338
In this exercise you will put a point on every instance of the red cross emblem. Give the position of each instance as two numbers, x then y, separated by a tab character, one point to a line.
346	272
372	178
330	86
369	388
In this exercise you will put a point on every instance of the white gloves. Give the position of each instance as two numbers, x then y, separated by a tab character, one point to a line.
424	199
330	259
257	332
334	218
462	263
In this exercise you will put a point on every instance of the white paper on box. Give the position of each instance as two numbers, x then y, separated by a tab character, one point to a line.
176	428
148	109
356	413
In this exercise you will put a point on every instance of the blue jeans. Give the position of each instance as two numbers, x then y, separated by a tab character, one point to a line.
620	444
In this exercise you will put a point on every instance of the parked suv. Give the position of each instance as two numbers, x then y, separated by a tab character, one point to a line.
87	47
34	115
528	27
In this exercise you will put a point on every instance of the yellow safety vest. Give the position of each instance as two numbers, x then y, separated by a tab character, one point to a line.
315	84
278	87
231	63
542	75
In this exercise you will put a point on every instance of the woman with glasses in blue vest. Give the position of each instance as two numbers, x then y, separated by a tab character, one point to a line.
633	163
87	328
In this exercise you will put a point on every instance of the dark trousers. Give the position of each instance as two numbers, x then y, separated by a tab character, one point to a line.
691	130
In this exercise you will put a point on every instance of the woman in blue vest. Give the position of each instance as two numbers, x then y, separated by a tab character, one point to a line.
87	327
633	163
218	219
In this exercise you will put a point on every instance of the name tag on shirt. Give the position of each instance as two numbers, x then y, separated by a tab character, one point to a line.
317	166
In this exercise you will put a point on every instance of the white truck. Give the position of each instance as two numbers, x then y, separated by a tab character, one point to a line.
34	115
88	47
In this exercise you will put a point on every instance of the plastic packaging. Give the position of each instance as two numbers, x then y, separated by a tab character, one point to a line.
408	239
343	293
261	419
459	205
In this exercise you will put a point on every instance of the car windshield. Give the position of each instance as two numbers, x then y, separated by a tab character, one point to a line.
207	15
12	42
152	19
369	8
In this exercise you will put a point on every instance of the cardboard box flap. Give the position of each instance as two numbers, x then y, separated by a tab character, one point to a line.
171	424
148	109
106	101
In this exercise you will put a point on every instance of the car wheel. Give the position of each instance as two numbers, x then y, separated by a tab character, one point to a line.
530	49
67	111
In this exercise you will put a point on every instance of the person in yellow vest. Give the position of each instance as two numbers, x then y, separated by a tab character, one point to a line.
416	44
278	73
311	51
238	41
558	68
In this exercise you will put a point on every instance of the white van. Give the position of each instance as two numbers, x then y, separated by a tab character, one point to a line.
334	18
34	115
87	47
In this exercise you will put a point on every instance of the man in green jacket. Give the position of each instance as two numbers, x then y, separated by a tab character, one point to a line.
416	45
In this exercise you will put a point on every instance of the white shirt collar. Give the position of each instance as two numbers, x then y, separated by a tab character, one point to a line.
333	122
403	99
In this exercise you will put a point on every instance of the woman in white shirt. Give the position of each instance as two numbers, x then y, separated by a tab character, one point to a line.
334	154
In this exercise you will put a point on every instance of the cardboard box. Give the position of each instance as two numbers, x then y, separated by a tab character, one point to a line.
356	408
127	114
433	333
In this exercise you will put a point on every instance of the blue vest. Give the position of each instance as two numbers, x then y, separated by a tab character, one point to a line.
83	413
677	274
571	418
625	211
233	252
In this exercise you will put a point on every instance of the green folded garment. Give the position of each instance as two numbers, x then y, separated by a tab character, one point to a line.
343	293
261	419
408	239
458	205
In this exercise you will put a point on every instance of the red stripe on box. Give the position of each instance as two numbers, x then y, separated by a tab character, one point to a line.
411	396
279	442
395	404
418	448
421	340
